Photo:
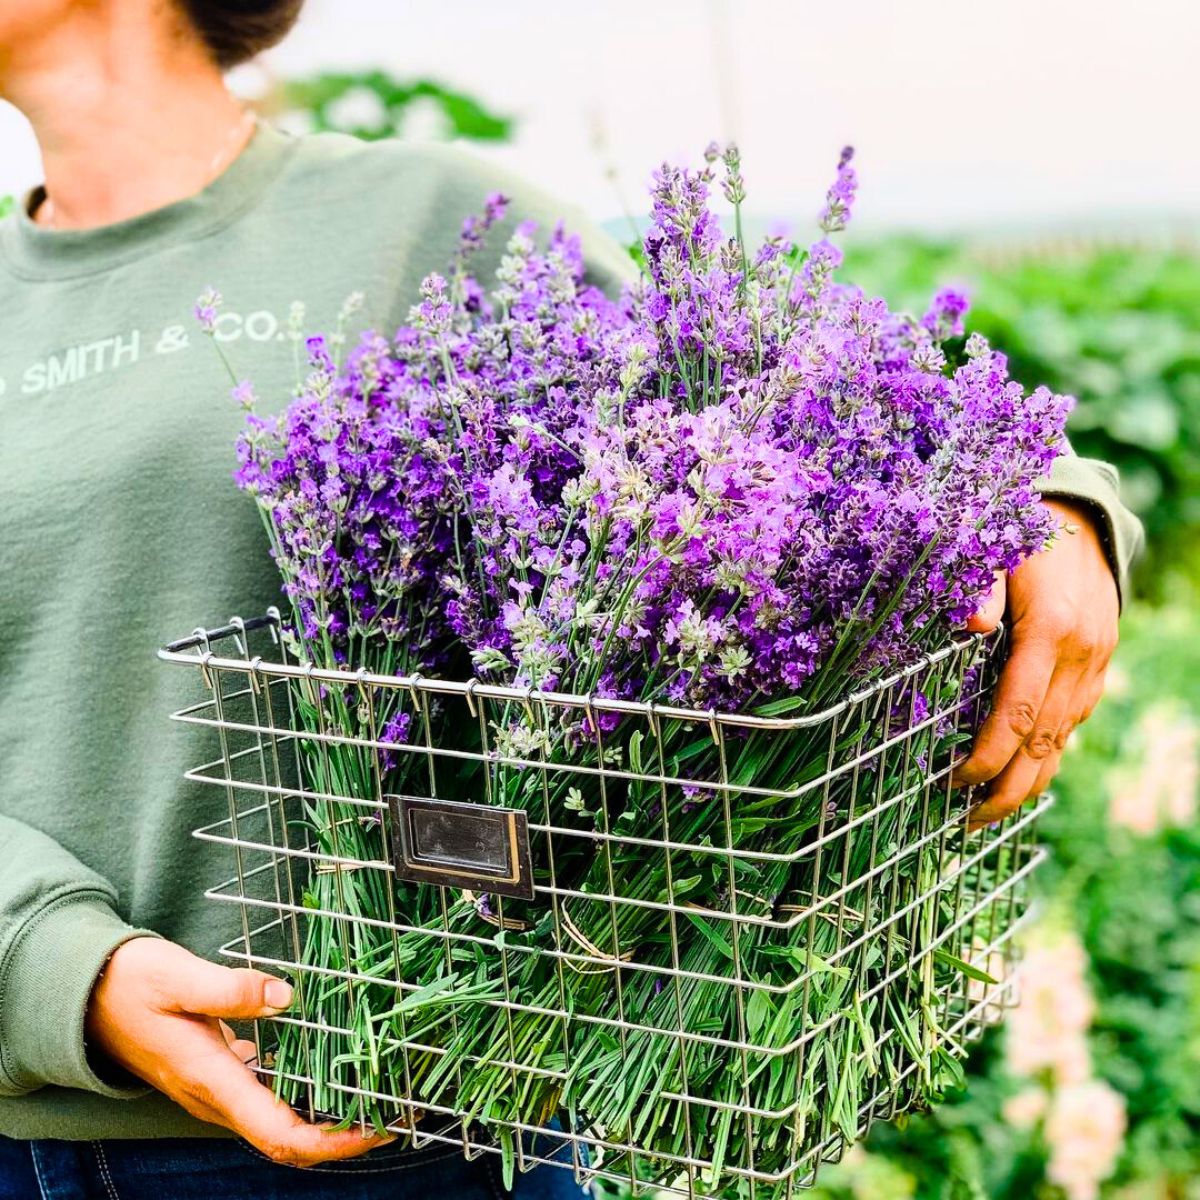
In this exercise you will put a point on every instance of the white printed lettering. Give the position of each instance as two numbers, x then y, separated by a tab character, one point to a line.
172	338
227	327
62	368
34	379
261	326
122	349
97	347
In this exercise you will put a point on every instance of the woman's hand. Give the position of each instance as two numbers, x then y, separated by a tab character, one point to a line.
1062	607
155	1012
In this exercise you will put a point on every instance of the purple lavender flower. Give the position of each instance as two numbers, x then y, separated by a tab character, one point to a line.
207	308
395	733
839	200
243	395
945	316
475	227
794	454
745	480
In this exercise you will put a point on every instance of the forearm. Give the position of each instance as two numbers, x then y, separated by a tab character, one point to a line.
59	925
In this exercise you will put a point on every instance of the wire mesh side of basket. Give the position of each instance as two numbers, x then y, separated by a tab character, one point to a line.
877	897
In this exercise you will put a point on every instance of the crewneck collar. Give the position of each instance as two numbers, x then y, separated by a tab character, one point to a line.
33	251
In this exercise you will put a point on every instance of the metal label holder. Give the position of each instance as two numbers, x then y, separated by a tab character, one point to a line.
455	844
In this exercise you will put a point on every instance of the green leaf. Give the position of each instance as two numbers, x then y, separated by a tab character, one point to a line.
744	825
508	1157
758	1011
806	959
714	938
777	708
680	887
635	752
971	972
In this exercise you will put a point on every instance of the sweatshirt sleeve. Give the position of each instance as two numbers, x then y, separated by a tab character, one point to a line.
1097	484
58	927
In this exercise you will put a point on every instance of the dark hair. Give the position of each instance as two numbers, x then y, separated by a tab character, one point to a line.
237	30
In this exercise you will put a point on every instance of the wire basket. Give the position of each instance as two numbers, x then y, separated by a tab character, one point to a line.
696	952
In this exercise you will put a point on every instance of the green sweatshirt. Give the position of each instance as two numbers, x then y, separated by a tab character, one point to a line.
120	529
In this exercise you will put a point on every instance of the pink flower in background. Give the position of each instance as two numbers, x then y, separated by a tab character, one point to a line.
1158	789
1083	1118
1026	1108
1047	1031
1085	1127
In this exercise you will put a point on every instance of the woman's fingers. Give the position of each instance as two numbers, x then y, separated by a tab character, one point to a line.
245	1050
1037	756
207	1079
202	987
1020	696
1087	696
1063	606
253	1111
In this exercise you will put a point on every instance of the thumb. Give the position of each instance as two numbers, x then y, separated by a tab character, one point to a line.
991	611
214	991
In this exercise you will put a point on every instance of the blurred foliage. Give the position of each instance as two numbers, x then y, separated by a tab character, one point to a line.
1119	328
1135	900
375	105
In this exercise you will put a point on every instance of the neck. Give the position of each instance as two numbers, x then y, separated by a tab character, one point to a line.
129	113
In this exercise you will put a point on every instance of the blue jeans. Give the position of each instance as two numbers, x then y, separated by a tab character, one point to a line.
226	1169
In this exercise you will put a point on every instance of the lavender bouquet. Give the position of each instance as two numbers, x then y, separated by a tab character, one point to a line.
744	486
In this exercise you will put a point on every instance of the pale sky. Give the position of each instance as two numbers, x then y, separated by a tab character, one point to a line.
965	114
